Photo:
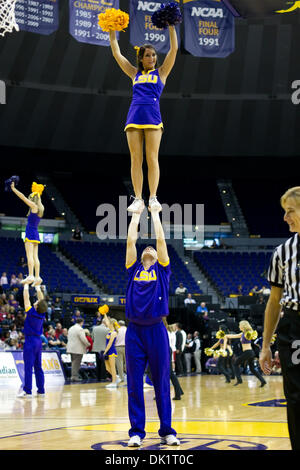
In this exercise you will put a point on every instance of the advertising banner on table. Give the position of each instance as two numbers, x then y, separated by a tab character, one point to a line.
37	16
83	20
209	28
12	368
143	31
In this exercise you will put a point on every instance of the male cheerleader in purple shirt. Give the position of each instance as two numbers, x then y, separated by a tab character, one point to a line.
147	337
32	351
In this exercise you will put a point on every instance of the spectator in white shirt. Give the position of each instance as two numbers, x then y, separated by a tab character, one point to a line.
189	300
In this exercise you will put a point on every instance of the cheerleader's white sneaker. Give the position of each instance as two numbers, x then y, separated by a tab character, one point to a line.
27	280
154	204
137	206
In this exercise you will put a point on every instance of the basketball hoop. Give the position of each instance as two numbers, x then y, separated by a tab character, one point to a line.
7	17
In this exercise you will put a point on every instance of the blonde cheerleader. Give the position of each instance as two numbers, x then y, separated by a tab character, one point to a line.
110	352
32	239
247	357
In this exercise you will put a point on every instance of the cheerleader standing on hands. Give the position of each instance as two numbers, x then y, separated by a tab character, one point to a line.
144	123
32	239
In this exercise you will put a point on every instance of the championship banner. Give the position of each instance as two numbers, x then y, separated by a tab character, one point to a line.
37	16
83	21
209	28
143	31
260	8
86	299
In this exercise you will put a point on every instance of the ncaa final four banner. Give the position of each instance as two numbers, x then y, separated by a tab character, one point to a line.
41	17
143	31
83	22
209	28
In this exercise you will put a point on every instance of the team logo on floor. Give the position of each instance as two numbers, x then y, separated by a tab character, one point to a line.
188	443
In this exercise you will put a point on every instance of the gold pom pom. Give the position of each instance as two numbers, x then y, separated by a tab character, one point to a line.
220	334
208	351
113	20
254	334
273	339
223	353
104	309
37	188
248	335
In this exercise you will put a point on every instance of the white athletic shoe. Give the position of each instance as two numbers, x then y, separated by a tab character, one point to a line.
27	280
154	204
170	440
135	441
111	385
137	206
23	394
37	281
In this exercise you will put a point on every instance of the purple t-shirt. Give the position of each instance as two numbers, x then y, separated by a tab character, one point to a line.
147	293
33	325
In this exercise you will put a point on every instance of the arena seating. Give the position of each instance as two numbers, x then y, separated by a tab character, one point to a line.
227	270
56	275
106	263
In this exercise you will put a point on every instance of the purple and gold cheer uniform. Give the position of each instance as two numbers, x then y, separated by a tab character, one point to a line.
31	232
144	111
112	350
147	341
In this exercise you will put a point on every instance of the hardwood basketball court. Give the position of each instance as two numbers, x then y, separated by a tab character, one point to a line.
211	415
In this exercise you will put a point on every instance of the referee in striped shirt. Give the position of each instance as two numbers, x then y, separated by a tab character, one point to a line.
284	277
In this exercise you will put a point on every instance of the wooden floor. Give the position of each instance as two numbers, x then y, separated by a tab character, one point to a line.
211	415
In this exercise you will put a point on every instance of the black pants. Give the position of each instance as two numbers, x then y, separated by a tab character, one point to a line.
223	368
175	382
178	363
288	332
248	357
229	365
100	367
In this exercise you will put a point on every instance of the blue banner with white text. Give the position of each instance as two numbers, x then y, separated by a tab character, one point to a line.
37	16
209	28
83	21
143	31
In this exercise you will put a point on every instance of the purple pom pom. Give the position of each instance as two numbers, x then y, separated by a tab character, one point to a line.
168	15
13	179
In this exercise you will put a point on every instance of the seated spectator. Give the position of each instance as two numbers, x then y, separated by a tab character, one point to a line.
77	315
98	318
202	309
13	332
8	321
13	280
181	290
189	300
21	340
19	279
58	330
44	341
63	338
53	342
13	302
57	305
4	280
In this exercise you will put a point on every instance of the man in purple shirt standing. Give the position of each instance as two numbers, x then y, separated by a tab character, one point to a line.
147	337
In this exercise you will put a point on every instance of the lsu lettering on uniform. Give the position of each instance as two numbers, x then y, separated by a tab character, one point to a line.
32	351
144	111
31	231
147	341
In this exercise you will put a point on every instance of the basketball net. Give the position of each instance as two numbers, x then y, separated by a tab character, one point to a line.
7	17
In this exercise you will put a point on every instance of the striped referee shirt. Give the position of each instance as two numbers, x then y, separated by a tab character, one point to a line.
284	272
